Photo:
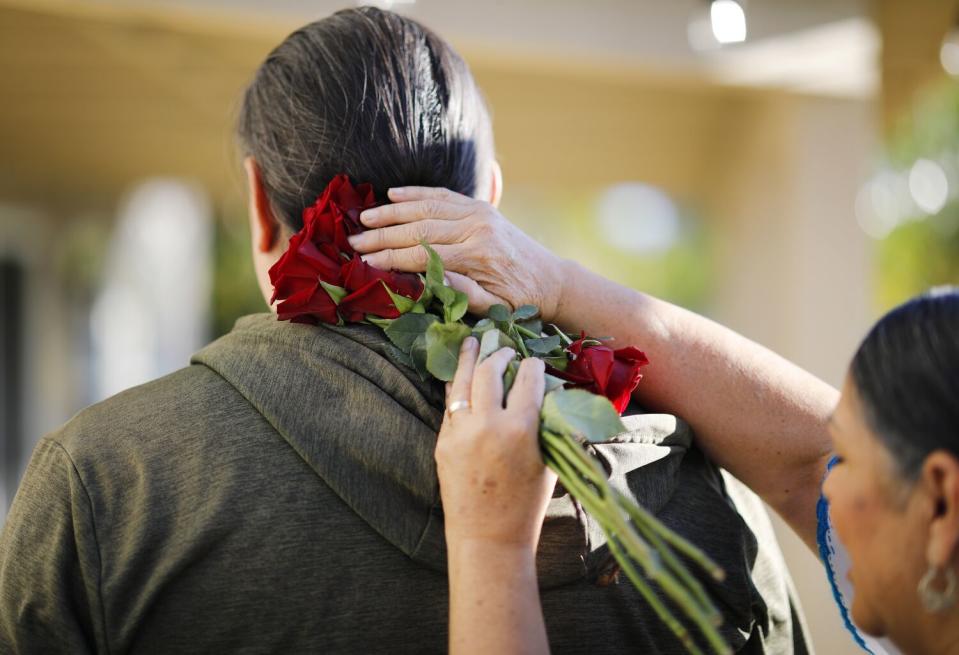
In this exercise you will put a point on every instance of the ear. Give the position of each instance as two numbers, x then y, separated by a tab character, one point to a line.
940	479
263	224
496	184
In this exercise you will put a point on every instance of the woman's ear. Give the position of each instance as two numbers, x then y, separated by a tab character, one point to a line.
940	479
496	184
263	224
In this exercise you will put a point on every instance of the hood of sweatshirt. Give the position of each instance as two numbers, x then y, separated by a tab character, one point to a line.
367	427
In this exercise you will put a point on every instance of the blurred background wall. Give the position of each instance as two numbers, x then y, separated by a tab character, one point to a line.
793	182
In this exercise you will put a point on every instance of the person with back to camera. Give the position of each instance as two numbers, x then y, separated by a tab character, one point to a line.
280	494
885	521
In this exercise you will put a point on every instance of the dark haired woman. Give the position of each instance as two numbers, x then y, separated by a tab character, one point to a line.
279	494
893	488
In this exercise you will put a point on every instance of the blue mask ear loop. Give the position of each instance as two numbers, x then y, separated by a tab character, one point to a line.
822	531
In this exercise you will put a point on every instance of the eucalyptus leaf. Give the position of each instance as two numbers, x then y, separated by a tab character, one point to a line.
443	342
335	292
581	415
403	331
492	341
499	313
525	312
544	345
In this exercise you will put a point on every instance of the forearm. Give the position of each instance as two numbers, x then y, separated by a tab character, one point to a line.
754	413
494	601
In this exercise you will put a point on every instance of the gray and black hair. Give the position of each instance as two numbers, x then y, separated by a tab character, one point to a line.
368	93
906	373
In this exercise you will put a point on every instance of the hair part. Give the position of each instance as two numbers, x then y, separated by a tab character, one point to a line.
371	94
906	373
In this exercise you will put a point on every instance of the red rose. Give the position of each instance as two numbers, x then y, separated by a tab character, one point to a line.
368	295
604	371
320	252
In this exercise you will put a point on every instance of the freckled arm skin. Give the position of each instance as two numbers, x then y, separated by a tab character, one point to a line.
494	600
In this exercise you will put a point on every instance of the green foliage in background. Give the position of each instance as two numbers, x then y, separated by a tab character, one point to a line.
568	224
924	252
235	290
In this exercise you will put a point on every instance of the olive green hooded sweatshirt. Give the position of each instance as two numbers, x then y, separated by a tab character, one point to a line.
279	495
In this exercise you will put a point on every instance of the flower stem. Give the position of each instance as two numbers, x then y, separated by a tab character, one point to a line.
572	465
661	610
640	515
526	332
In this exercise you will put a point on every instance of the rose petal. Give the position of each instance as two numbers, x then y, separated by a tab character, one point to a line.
308	303
370	299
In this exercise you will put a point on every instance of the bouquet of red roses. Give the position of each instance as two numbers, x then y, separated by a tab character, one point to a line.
588	384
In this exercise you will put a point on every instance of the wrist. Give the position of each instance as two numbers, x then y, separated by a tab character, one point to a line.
500	553
563	274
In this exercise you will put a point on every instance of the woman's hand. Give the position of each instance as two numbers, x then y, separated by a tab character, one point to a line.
495	489
494	484
486	257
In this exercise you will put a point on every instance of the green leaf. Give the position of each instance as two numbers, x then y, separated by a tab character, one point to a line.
398	356
483	325
457	309
445	295
492	341
403	304
499	313
418	356
434	268
559	362
443	342
543	346
553	382
581	414
454	303
403	331
525	312
535	326
381	323
426	296
509	377
336	293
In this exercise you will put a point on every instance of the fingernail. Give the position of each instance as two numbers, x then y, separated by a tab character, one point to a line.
355	241
468	344
369	217
397	192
